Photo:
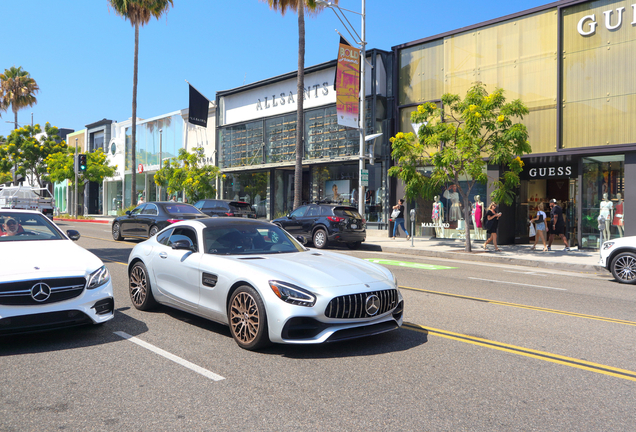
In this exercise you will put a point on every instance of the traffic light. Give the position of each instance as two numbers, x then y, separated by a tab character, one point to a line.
82	162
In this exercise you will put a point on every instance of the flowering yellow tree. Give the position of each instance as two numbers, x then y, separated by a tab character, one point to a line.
459	140
189	173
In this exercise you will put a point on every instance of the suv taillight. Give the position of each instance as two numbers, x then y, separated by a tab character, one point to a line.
229	214
174	220
335	218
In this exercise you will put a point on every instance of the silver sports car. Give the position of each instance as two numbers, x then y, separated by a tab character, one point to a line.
263	283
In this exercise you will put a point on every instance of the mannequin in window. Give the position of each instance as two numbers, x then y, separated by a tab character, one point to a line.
478	212
607	211
438	217
619	218
455	213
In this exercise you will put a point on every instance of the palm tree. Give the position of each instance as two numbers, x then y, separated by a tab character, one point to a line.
138	12
299	6
18	90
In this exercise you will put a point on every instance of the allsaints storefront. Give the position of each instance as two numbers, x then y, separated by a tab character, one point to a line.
572	64
257	142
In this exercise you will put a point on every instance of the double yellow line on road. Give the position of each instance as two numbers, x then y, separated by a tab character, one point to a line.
541	355
521	306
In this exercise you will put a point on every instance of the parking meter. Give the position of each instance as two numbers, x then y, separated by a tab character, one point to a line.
412	213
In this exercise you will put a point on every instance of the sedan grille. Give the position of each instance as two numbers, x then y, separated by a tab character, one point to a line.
362	305
40	291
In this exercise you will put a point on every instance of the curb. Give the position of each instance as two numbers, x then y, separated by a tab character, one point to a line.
81	220
489	258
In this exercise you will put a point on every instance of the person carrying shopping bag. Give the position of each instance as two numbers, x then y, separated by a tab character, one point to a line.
540	228
399	219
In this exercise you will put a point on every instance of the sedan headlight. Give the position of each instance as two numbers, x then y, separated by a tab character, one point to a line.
98	278
608	245
292	294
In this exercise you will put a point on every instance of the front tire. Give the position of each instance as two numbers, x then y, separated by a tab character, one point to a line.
117	232
139	288
320	239
248	320
624	268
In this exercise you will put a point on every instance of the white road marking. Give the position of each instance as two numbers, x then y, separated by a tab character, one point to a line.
529	273
198	369
515	283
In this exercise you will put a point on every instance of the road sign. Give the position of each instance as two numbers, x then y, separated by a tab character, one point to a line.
364	178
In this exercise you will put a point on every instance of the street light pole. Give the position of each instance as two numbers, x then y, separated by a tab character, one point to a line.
360	40
160	158
75	168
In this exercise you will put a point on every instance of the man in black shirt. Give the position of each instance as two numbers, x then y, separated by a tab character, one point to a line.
558	224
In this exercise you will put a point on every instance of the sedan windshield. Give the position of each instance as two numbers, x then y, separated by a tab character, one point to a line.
26	226
248	240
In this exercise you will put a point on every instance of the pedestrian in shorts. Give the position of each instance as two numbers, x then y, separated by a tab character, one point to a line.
557	223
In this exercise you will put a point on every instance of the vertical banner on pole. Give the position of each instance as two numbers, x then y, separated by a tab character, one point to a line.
348	86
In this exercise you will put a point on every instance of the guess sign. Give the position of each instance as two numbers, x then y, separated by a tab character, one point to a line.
561	171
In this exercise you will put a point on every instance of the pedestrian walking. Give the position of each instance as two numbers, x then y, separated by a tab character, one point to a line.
492	223
558	225
540	229
399	219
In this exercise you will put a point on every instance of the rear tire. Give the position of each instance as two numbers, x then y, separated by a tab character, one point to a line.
117	231
320	239
624	268
139	288
247	318
153	231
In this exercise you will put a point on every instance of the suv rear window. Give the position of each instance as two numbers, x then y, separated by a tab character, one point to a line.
241	207
347	212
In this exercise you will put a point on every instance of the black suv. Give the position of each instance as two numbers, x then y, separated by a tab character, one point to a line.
325	223
217	207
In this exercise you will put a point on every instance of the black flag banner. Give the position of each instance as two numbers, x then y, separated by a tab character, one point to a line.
198	112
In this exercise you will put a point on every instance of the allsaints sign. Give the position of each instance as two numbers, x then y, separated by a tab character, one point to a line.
283	98
561	171
587	25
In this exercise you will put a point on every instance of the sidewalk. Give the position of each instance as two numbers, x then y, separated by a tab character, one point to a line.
558	259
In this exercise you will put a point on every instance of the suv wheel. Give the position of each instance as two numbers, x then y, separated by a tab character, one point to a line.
624	268
320	239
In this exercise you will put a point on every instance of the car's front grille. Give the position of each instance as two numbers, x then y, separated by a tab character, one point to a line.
30	292
361	305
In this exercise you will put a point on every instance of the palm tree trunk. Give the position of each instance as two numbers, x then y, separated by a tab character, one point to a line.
133	145
300	126
15	126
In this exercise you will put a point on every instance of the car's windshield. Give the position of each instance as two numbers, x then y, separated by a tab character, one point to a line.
181	208
26	226
233	239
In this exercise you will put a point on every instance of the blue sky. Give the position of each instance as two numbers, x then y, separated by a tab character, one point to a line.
81	53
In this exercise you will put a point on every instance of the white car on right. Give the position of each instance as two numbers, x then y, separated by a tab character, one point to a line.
619	257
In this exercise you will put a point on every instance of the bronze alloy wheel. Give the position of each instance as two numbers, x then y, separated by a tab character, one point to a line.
139	287
248	323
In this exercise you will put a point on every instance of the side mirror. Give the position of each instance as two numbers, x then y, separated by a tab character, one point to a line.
288	216
128	212
302	239
73	235
182	245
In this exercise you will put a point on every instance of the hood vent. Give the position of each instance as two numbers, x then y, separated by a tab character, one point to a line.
252	258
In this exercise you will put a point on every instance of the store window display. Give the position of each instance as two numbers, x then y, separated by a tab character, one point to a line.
477	215
618	220
607	213
438	217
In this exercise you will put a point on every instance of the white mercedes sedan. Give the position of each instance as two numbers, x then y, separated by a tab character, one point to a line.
264	284
46	280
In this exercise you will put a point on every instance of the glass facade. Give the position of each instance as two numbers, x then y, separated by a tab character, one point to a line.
114	201
602	195
250	187
519	56
599	89
151	145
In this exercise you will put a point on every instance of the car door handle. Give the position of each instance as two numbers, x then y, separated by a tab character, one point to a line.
163	255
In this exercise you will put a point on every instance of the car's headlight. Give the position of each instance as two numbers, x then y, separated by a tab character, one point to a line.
98	278
608	245
292	294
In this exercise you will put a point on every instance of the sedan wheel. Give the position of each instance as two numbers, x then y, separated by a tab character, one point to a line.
320	239
248	322
117	231
153	231
139	288
624	268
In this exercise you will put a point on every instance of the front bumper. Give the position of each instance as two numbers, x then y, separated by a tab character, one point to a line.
91	307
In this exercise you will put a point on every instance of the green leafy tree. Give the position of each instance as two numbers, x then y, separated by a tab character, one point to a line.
138	13
188	172
5	162
458	141
17	90
298	6
60	166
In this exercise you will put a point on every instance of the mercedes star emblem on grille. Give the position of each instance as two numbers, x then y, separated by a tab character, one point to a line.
41	292
372	304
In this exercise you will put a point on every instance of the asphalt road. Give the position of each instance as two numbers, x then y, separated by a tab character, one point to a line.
484	347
